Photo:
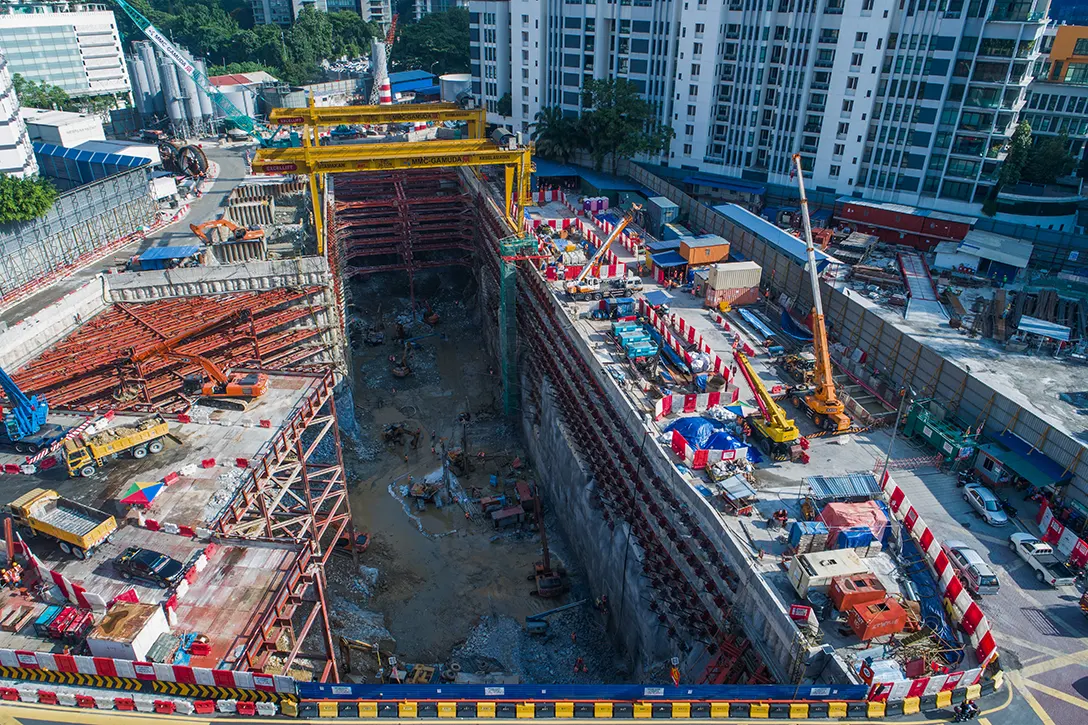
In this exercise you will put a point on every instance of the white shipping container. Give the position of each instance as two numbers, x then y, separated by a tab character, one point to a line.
62	128
163	187
735	275
128	631
815	570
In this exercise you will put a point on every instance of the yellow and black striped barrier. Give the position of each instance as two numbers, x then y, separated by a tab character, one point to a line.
79	679
504	710
209	692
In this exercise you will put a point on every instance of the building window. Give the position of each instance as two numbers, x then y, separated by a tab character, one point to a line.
1080	47
687	149
834	171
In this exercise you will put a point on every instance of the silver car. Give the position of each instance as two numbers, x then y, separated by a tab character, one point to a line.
971	568
985	503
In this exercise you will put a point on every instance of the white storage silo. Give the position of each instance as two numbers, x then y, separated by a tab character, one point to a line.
192	102
171	92
452	85
146	53
141	87
206	104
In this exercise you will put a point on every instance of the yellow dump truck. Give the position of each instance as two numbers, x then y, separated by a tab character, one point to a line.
77	528
86	454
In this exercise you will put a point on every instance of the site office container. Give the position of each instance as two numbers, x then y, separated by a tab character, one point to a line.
877	619
815	570
849	591
736	297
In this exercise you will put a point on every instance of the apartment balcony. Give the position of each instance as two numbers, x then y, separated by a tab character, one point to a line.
812	128
973	100
1004	16
840	136
832	10
820	86
836	157
817	107
808	148
825	63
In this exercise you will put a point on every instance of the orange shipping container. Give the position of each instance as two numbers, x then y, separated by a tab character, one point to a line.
707	249
850	590
877	619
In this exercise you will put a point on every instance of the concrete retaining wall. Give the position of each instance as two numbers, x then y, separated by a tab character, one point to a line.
249	277
31	336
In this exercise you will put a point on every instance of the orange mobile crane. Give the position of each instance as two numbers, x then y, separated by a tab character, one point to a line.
216	387
821	403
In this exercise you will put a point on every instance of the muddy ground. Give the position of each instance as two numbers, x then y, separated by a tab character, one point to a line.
447	587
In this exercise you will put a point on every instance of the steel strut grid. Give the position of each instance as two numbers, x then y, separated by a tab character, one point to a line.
630	492
402	221
292	492
81	371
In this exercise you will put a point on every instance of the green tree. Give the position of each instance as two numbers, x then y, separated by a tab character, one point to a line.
266	45
248	66
556	136
309	41
39	95
437	43
351	34
506	105
1019	151
1049	160
25	199
1082	171
619	123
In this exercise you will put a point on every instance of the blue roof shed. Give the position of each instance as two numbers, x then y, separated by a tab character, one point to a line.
780	239
160	257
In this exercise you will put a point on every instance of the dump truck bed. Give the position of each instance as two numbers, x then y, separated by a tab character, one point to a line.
69	516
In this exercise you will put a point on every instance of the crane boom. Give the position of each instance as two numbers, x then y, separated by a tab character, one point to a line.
604	247
771	411
26	415
823	403
231	111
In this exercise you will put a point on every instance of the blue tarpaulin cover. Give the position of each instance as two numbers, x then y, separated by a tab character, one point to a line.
657	297
668	259
178	252
705	433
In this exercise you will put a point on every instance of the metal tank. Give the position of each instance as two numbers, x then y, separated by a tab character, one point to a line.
141	87
453	84
206	105
188	86
146	53
171	91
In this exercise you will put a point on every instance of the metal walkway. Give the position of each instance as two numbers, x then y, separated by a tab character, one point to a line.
923	296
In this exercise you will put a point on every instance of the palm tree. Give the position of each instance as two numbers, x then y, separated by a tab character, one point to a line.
555	135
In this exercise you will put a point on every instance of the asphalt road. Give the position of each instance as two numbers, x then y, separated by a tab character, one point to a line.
232	169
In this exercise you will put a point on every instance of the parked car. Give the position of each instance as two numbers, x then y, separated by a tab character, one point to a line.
985	503
971	568
1049	569
149	566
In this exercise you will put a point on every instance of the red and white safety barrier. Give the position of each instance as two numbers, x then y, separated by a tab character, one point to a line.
701	458
626	239
1054	532
965	611
543	196
687	336
135	702
73	592
147	671
686	403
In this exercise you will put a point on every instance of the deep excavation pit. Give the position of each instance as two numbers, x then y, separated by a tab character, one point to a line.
449	589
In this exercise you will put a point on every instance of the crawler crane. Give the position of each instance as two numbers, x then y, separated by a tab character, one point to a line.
775	434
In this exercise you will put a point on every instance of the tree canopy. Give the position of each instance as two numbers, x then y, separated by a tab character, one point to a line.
1049	160
438	41
25	199
619	123
39	95
1019	149
223	31
556	136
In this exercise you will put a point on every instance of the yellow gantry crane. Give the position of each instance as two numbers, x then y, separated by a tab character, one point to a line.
315	160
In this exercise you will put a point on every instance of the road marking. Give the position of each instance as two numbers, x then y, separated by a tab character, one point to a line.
1058	694
1033	646
1058	662
1018	683
984	721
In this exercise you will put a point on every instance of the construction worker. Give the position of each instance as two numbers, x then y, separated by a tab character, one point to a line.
415	438
580	665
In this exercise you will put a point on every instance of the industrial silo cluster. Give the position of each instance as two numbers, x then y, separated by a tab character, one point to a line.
167	97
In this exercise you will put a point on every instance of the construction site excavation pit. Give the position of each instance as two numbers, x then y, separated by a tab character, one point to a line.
441	583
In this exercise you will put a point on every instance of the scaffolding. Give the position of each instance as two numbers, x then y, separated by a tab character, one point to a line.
83	224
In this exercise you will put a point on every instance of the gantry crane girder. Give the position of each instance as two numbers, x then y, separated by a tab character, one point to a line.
475	120
317	160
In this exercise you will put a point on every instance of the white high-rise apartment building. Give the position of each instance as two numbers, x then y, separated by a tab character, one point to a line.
426	7
16	151
69	45
284	12
907	101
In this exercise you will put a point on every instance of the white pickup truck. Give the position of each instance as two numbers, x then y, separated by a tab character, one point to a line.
1039	555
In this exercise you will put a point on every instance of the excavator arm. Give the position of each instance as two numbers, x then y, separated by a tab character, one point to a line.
210	368
169	344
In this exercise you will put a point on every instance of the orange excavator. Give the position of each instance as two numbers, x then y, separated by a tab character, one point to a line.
234	232
214	387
